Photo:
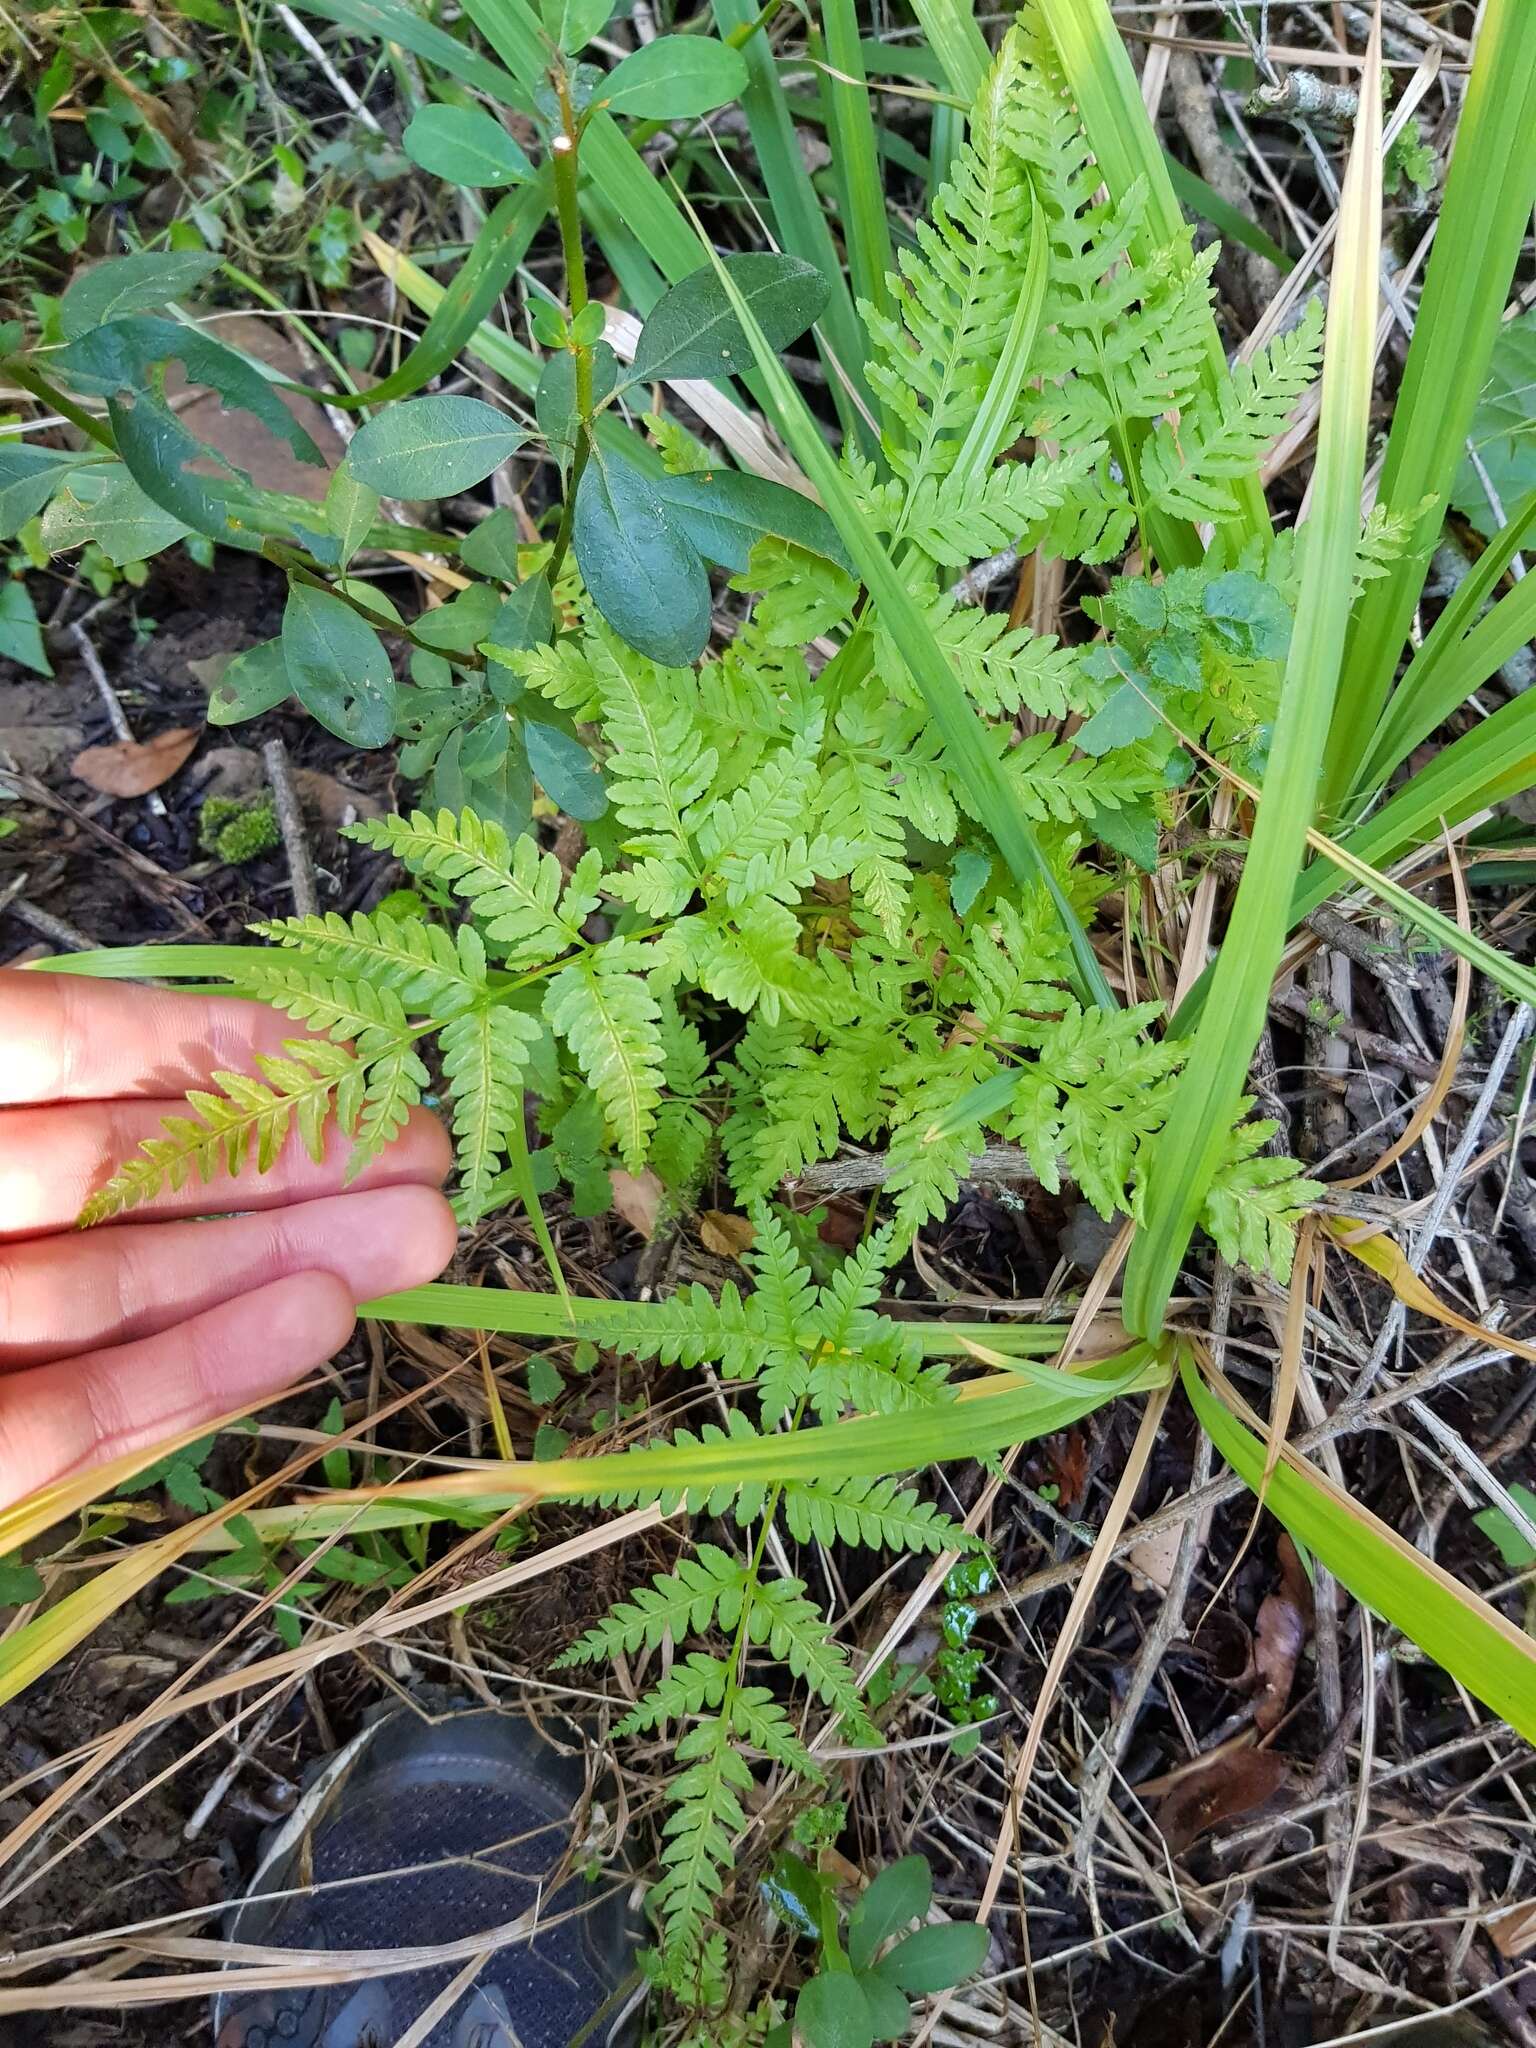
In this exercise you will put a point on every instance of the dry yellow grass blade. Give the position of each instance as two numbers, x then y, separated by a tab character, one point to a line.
1387	1260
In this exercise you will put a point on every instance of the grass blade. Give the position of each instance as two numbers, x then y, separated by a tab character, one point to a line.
1484	218
1466	1636
990	425
1458	656
798	216
1205	1102
990	1415
855	149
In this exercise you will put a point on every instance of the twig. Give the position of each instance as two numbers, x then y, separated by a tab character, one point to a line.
290	822
47	926
116	716
873	1169
338	84
212	1799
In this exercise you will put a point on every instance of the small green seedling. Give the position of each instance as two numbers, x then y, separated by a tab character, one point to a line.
869	1967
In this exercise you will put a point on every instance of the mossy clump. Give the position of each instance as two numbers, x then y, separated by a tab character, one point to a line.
237	829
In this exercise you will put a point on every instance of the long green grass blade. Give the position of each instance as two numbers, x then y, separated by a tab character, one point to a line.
954	36
990	1416
990	426
389	21
1467	1637
1484	219
1459	654
798	216
1190	1146
855	150
958	723
647	1326
479	281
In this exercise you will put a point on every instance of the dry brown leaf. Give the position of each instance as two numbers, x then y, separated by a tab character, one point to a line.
1285	1622
725	1235
135	767
1514	1933
637	1197
1234	1782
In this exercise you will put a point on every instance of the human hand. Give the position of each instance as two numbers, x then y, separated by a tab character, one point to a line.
121	1336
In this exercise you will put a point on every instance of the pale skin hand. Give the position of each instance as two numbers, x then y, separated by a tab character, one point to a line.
124	1335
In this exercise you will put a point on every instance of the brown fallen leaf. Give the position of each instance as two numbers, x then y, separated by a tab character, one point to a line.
135	767
637	1197
1234	1782
1285	1622
1514	1932
725	1235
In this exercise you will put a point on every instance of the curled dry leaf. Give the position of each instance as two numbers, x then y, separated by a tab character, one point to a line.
725	1235
1230	1784
135	767
1285	1622
637	1198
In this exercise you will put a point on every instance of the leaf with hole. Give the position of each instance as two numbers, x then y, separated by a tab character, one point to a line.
465	146
254	681
337	667
28	479
675	77
693	330
432	447
645	576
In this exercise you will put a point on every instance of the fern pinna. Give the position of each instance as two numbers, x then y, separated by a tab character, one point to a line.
789	932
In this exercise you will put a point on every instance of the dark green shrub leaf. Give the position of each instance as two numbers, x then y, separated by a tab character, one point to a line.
935	1957
254	682
900	1894
554	401
645	577
466	146
460	625
491	550
888	2007
19	1583
674	77
130	284
122	356
693	332
338	668
725	513
432	447
21	638
350	510
28	479
564	770
832	2012
571	24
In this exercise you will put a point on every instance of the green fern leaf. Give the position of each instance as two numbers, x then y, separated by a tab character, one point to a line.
695	1683
1256	1200
795	1631
419	962
485	1056
703	1592
708	1812
611	1022
879	1514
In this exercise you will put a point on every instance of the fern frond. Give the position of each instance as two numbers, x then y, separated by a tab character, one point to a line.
397	1080
1014	505
485	1056
514	891
694	1683
879	1514
1189	469
659	767
301	1089
861	806
704	1591
757	1717
708	1812
795	1631
356	1010
418	961
611	1022
931	366
1256	1200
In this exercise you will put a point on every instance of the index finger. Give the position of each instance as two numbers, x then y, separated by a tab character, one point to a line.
67	1040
